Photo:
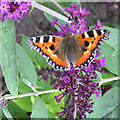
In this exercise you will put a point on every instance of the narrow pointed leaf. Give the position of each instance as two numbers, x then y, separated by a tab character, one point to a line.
7	113
8	55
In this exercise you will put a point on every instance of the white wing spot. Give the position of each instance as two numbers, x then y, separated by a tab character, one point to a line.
34	39
86	35
95	33
41	39
50	38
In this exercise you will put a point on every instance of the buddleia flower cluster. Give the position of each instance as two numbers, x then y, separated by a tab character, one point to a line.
77	85
13	10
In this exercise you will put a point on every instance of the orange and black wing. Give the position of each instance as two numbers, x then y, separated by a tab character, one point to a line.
90	42
47	47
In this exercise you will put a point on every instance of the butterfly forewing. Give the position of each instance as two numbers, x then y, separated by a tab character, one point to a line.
91	41
48	47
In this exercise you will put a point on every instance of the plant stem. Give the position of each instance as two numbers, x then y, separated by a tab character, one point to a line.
30	94
61	9
49	11
107	80
75	112
53	90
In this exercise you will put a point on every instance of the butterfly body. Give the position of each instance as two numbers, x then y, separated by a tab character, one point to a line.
61	51
67	49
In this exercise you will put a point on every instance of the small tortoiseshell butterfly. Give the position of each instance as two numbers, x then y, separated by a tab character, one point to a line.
79	49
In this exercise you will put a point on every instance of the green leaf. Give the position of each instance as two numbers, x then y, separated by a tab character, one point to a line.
115	83
111	61
110	50
27	82
39	109
8	52
113	37
23	88
50	114
115	53
24	44
113	114
109	101
16	111
24	103
51	103
106	104
107	74
25	65
7	113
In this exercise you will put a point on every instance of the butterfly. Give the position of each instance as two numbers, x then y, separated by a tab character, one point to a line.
78	50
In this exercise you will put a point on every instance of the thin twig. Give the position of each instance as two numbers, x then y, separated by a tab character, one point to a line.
107	80
30	94
49	11
61	9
